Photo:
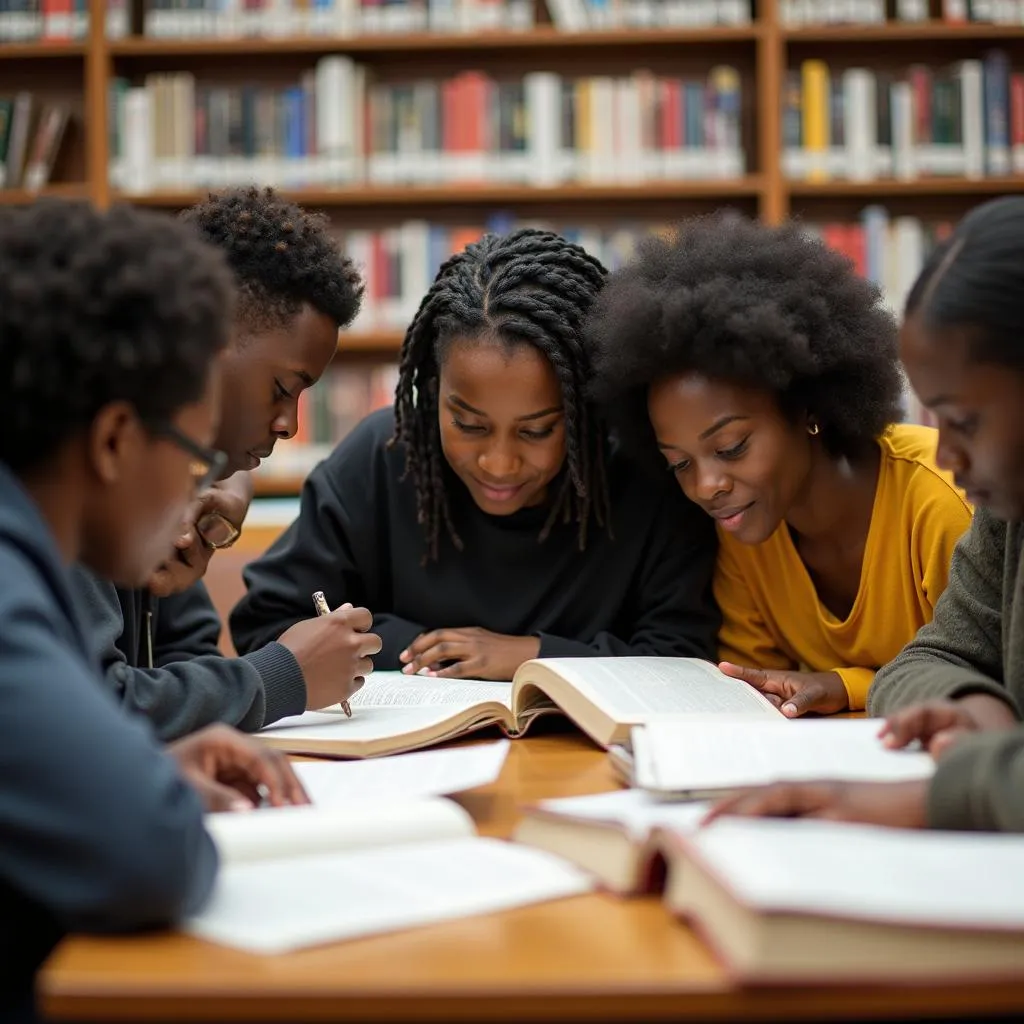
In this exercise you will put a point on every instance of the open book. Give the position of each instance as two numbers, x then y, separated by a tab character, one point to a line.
608	835
708	758
605	697
818	902
299	876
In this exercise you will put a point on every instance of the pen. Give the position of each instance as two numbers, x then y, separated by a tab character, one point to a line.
323	608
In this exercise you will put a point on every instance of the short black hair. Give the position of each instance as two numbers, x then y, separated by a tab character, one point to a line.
101	307
974	280
529	287
772	308
283	257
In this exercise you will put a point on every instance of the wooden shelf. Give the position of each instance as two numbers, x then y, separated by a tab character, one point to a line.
897	32
33	51
16	196
920	187
542	38
471	195
384	342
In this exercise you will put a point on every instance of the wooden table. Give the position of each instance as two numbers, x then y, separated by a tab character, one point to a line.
588	958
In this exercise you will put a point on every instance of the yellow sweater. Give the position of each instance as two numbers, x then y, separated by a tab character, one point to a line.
772	617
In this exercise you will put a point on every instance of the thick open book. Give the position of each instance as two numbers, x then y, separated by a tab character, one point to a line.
705	759
300	876
608	835
605	697
818	902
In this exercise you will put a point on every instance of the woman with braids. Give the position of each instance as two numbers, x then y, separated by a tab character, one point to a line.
485	520
765	371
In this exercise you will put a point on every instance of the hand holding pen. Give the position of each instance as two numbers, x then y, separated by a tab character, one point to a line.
334	652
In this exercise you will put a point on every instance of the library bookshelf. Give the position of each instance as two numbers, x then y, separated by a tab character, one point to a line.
763	51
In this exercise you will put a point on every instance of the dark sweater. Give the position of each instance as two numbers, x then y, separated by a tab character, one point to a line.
974	644
99	832
187	683
648	591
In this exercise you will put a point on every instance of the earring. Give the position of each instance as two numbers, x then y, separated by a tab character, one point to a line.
813	429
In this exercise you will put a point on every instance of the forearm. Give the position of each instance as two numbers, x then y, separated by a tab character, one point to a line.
186	695
979	784
920	674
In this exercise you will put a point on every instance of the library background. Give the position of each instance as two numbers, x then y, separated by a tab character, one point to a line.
417	124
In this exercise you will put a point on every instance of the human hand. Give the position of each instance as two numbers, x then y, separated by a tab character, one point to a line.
896	804
233	772
213	521
468	653
795	693
939	724
334	652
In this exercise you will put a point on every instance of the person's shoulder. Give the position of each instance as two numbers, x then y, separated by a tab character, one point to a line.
910	451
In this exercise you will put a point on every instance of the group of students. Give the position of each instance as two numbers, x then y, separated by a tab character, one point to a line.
699	455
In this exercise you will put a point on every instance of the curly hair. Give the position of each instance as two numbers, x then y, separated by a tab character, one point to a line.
101	307
529	287
973	282
283	257
771	308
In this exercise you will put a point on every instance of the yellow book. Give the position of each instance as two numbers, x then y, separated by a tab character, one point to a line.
816	89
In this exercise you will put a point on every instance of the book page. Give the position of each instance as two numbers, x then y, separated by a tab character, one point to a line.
402	776
277	905
391	704
682	756
634	689
633	810
274	832
865	872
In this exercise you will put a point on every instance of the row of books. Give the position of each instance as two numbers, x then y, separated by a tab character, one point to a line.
280	18
31	134
964	120
800	13
23	21
334	128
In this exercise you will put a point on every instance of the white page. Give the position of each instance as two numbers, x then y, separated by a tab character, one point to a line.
680	756
634	810
402	776
634	689
392	704
867	872
277	905
273	832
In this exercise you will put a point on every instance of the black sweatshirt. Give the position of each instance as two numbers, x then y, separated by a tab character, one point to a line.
161	659
99	831
647	591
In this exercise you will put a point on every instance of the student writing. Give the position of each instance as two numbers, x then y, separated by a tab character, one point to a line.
765	371
499	524
102	830
159	644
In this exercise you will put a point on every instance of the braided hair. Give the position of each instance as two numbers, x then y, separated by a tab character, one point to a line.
528	287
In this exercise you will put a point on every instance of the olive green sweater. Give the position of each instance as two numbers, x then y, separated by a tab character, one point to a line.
975	644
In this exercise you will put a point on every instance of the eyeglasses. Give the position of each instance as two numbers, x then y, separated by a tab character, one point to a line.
208	464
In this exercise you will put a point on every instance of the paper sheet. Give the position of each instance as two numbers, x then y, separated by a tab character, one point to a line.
274	906
637	812
403	776
685	756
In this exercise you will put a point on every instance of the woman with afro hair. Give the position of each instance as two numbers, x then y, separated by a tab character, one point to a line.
765	372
